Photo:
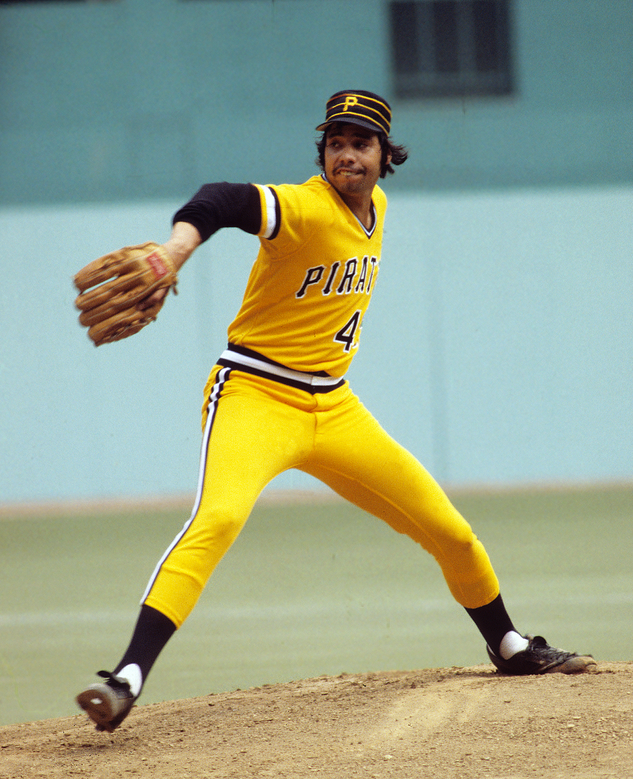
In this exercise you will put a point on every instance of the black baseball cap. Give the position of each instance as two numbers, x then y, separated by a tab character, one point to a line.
354	106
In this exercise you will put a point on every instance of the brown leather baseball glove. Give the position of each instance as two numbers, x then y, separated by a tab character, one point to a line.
115	291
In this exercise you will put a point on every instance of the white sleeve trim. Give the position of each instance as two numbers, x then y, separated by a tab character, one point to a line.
271	212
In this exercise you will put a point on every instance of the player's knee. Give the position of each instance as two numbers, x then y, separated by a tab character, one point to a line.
223	527
466	545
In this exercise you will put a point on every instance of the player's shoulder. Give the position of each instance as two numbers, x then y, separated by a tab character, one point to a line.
292	212
310	200
380	198
315	188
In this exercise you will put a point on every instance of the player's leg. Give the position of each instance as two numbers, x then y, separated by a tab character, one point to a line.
249	438
361	462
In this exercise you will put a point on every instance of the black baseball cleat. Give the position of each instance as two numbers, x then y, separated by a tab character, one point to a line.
541	658
108	703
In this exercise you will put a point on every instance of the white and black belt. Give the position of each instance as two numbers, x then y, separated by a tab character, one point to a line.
242	359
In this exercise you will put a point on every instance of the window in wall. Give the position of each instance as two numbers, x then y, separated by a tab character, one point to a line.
451	48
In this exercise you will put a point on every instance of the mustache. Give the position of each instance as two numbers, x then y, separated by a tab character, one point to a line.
350	168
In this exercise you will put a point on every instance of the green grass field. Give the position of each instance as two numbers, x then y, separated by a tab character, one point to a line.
306	590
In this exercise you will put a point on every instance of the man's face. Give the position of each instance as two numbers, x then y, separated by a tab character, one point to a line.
352	159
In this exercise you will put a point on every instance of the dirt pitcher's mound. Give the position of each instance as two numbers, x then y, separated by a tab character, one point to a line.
458	723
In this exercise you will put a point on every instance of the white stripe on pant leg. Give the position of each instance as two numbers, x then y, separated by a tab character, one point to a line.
211	411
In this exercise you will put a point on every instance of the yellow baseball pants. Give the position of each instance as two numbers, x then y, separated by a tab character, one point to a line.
254	429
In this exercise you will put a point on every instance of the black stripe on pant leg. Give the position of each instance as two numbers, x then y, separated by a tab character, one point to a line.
212	407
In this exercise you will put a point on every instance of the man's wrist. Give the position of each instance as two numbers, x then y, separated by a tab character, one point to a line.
184	240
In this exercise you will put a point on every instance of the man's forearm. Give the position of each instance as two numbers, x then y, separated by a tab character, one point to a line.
184	240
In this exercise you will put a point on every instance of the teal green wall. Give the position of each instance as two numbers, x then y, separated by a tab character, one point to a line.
149	98
498	344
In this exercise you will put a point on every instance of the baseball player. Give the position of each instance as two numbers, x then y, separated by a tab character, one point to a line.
277	397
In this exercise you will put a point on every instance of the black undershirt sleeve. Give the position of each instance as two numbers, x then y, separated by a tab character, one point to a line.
222	205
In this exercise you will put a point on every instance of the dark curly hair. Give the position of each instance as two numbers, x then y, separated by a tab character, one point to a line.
399	154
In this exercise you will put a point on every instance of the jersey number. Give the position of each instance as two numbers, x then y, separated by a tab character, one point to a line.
347	334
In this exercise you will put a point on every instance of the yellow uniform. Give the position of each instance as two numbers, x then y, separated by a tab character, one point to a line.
312	282
277	400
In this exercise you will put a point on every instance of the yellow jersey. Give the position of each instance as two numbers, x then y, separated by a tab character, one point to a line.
313	278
